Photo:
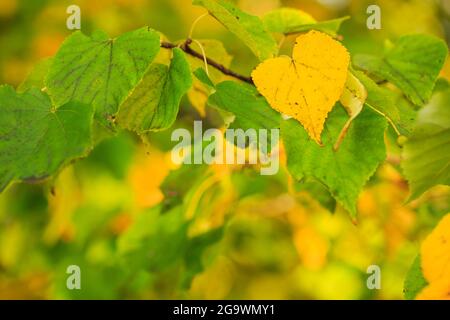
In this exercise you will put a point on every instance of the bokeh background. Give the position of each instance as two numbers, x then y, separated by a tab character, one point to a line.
232	234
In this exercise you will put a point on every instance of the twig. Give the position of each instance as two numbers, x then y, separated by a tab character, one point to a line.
186	48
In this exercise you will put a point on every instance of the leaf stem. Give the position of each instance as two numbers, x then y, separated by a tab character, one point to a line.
204	55
387	118
194	24
186	48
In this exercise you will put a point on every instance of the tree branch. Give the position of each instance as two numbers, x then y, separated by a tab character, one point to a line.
187	48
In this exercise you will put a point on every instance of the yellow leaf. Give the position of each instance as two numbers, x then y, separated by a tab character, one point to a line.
435	291
311	247
435	253
146	175
353	98
435	259
306	86
198	96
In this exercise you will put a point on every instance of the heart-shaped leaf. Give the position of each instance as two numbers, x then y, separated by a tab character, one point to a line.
307	86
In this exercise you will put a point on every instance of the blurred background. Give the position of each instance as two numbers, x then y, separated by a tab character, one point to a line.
141	228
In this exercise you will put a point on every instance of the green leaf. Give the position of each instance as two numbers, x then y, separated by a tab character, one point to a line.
249	107
318	191
174	191
203	77
412	64
352	99
426	160
393	106
154	103
36	139
408	114
155	241
442	84
346	170
195	251
280	20
330	27
101	71
201	86
251	110
250	183
414	281
382	99
159	240
37	76
250	29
